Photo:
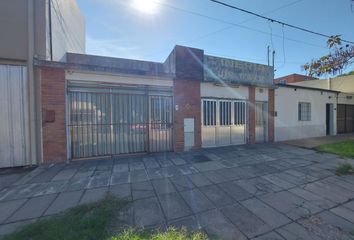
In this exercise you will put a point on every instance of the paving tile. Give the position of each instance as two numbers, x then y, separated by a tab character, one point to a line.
217	196
121	167
138	165
50	188
138	176
65	174
276	180
76	184
290	204
313	198
147	212
122	191
174	206
199	180
326	192
151	163
8	208
163	186
344	213
245	220
294	231
64	201
99	179
208	166
235	191
217	226
182	183
228	173
186	169
215	177
270	216
178	161
142	190
119	178
93	195
48	174
258	186
334	220
270	236
9	228
33	208
190	223
196	200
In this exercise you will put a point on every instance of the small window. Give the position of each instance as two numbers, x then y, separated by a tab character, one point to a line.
239	113
304	111
209	113
225	113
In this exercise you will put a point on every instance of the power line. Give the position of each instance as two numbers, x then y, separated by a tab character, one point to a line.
232	24
276	21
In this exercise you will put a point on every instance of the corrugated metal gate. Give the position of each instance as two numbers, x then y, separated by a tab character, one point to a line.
14	120
111	120
345	118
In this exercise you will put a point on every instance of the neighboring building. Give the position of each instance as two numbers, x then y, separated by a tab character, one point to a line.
30	29
303	112
344	108
293	78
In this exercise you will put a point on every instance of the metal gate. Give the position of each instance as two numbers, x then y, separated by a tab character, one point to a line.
261	111
345	118
112	120
224	122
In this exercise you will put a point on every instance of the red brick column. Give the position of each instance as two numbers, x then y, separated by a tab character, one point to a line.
251	115
186	95
271	111
53	115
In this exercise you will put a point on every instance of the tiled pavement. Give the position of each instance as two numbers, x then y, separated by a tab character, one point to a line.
269	191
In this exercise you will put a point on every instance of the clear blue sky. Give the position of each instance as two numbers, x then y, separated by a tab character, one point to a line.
115	28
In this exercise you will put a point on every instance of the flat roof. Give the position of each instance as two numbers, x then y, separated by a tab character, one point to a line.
306	88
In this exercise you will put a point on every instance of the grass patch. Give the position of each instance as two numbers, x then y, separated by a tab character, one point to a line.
170	234
344	149
344	169
89	221
96	221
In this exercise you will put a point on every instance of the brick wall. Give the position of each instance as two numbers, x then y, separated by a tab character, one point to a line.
187	96
271	109
53	115
251	115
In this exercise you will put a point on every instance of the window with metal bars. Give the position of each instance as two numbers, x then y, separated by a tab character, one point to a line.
304	111
239	113
209	113
225	113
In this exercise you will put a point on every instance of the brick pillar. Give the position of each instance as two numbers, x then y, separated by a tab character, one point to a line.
53	115
251	115
189	73
271	111
187	98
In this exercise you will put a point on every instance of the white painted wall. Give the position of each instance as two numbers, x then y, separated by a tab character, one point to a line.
287	125
346	98
117	78
218	91
262	94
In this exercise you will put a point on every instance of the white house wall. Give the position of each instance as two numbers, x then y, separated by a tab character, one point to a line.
345	98
117	79
262	94
287	125
210	90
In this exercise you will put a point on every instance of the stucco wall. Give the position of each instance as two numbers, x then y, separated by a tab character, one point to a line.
287	125
68	29
342	84
211	90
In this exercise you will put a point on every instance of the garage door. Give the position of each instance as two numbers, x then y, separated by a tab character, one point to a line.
345	118
14	136
223	122
109	120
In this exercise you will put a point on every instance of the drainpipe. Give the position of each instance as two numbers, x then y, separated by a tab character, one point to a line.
31	84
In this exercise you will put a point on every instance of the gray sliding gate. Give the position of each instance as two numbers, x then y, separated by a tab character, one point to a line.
110	120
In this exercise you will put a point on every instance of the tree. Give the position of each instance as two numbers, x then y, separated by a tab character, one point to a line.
339	58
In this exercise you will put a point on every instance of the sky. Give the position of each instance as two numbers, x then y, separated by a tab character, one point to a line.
127	29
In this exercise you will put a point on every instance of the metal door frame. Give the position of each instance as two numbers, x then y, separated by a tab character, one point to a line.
265	121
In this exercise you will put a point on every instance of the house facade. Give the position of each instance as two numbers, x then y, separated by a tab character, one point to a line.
99	106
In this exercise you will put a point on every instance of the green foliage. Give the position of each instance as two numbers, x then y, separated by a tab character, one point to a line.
170	234
333	63
344	169
344	149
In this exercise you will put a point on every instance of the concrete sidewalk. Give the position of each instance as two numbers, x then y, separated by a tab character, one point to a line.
318	141
261	191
